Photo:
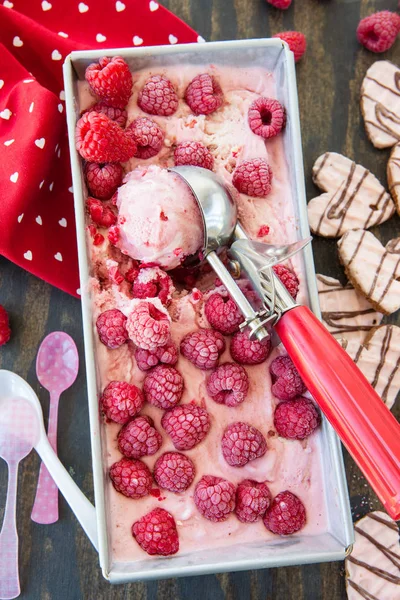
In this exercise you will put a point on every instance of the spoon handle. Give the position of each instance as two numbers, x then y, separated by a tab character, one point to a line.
9	578
45	507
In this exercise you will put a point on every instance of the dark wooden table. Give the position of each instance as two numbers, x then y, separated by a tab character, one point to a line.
57	562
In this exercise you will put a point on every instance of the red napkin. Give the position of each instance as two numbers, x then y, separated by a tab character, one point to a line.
37	228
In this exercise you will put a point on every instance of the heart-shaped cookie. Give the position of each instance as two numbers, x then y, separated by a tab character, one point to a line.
373	269
393	175
380	103
345	312
353	197
373	566
378	357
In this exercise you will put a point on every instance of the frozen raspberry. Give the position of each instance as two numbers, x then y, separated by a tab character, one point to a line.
147	326
228	384
174	471
120	401
242	443
139	438
103	180
249	352
286	514
163	387
296	419
113	234
252	500
263	231
223	314
119	115
214	498
195	154
203	348
288	279
253	177
101	140
158	97
148	136
266	117
187	425
379	31
282	4
130	477
5	331
204	94
102	215
153	282
295	40
111	80
287	383
111	327
147	359
156	533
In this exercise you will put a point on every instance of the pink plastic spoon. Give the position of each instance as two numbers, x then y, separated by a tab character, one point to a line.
19	432
57	366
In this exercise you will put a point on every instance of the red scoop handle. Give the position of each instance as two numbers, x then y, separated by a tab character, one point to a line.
363	422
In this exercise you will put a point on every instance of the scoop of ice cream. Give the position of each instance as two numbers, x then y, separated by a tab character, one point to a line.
159	220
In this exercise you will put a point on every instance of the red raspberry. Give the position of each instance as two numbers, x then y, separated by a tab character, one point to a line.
252	500
379	31
5	331
289	279
147	326
113	234
163	387
287	382
228	384
296	41
174	471
242	443
146	359
153	282
286	514
103	180
204	94
158	97
223	314
111	327
282	4
119	115
148	136
195	154
214	498
156	533
253	177
132	478
120	401
102	215
263	231
249	352
110	79
266	117
203	348
296	419
139	438
100	140
187	425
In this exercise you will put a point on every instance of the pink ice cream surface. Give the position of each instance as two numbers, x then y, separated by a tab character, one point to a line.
159	220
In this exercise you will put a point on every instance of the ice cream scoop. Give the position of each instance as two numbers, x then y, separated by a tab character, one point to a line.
363	422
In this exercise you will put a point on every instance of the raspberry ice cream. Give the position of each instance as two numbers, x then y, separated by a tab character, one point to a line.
159	220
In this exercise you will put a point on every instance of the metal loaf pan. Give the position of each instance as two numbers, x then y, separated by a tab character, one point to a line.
274	56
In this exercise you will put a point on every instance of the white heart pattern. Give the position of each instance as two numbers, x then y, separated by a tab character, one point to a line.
60	108
41	184
100	38
1	83
9	142
20	217
28	255
30	109
200	39
62	95
71	189
63	222
137	41
119	6
14	177
5	114
58	256
82	7
78	291
62	34
51	186
40	143
172	39
17	42
46	5
153	6
8	4
39	220
55	55
28	80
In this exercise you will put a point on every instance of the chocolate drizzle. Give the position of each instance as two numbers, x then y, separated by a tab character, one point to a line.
331	318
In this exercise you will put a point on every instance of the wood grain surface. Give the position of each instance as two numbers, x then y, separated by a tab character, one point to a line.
57	562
